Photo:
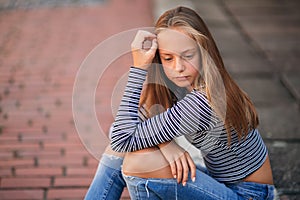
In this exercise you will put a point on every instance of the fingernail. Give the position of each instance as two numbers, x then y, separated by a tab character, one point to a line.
184	183
175	176
194	179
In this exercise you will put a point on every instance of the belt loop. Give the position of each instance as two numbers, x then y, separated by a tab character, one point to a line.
146	187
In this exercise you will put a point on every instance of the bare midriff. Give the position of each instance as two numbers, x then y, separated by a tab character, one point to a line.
262	175
150	163
146	163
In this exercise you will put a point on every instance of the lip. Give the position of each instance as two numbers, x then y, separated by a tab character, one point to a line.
182	78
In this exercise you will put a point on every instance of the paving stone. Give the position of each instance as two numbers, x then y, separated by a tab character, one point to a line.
25	182
247	66
5	172
39	171
61	161
17	163
280	121
286	172
66	193
13	4
210	10
265	91
18	146
256	3
22	194
5	155
72	182
80	171
292	81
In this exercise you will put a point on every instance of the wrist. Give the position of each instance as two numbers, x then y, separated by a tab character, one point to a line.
141	66
139	69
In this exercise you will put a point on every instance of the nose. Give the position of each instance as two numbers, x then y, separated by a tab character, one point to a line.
179	65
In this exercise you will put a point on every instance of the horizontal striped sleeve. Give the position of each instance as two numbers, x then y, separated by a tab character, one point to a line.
189	115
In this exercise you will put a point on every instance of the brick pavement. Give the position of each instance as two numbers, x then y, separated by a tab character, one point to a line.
41	48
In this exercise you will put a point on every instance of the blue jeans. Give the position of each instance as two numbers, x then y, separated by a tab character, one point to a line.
108	182
205	187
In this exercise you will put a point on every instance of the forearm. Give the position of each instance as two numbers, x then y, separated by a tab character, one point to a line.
128	132
122	134
190	115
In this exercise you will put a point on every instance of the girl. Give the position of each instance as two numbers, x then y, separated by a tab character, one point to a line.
201	101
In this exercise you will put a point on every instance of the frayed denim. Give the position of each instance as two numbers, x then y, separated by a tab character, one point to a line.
108	184
204	188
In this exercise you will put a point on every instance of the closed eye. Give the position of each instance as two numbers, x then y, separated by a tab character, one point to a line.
188	56
167	58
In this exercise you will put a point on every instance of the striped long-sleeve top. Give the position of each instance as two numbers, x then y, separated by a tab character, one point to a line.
192	117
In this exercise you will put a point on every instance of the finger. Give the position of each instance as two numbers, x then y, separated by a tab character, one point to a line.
173	169
185	170
151	52
147	34
192	167
140	37
179	170
153	46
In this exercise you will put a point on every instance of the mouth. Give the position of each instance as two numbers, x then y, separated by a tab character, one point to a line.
182	78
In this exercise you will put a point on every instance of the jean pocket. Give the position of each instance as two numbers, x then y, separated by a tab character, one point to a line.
254	191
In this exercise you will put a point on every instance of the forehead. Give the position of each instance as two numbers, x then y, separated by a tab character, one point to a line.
174	41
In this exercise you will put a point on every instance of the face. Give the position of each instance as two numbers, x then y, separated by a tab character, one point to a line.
180	57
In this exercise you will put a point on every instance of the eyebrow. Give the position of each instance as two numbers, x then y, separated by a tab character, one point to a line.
183	52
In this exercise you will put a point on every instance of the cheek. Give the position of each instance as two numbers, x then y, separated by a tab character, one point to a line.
166	65
194	65
195	73
168	71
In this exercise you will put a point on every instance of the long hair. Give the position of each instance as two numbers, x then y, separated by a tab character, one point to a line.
231	104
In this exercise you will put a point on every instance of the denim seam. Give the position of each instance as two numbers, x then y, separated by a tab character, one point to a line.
110	183
207	192
137	189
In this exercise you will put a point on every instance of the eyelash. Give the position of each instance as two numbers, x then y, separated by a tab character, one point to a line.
168	59
186	57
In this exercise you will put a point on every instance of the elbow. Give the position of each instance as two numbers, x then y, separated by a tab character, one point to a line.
121	141
121	146
115	146
114	141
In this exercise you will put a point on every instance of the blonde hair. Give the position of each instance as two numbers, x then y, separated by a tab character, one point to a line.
231	104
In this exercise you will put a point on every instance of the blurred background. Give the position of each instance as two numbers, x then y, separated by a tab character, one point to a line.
44	42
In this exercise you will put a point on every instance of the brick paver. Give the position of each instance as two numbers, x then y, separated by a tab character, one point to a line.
41	48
